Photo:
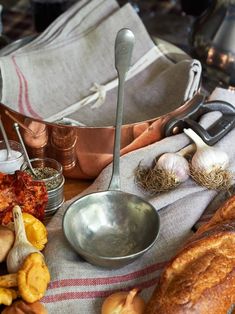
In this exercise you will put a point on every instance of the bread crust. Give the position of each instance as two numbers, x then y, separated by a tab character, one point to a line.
200	279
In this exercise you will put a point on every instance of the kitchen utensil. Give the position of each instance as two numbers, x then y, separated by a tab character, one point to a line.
196	108
113	228
16	127
5	138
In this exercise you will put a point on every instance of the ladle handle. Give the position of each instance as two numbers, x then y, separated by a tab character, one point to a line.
123	51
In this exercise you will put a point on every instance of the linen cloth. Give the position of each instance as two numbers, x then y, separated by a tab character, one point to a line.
79	287
70	66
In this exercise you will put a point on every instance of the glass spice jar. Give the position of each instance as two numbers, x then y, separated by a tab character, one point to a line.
49	171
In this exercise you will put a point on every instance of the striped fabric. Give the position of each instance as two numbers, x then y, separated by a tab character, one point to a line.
67	84
79	287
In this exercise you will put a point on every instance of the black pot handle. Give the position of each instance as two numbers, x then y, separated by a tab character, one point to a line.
189	119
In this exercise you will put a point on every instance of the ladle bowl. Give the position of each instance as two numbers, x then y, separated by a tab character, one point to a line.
112	228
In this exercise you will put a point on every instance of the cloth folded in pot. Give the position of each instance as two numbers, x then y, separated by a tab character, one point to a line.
70	66
76	285
68	72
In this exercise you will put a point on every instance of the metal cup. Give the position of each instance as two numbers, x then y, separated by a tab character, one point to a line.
54	183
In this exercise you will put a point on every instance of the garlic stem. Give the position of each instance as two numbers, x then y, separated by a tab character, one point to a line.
20	233
207	158
196	138
187	150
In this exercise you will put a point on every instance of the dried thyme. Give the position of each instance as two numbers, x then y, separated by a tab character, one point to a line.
47	173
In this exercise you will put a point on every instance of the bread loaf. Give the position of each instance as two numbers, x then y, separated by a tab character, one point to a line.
201	277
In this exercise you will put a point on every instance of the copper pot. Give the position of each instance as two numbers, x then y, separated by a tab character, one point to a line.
85	151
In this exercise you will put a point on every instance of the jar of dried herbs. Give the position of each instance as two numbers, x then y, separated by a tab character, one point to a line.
49	171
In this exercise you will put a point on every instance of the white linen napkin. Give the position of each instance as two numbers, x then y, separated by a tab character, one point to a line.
68	71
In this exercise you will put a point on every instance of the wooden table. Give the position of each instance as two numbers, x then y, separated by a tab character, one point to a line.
73	187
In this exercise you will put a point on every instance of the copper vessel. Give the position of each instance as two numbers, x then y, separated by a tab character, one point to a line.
85	151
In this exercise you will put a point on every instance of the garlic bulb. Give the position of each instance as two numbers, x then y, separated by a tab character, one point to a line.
22	247
206	158
124	303
174	164
209	165
168	172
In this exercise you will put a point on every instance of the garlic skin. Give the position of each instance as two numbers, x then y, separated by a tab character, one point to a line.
210	158
22	247
175	164
170	170
206	158
124	303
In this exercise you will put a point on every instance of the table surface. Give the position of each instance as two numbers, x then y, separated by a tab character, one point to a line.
74	186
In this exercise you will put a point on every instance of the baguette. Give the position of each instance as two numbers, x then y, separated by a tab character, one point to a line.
201	277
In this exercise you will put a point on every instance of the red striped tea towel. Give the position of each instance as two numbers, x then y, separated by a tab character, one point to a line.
79	287
68	71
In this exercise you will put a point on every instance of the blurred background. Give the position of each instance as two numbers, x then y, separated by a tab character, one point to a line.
170	20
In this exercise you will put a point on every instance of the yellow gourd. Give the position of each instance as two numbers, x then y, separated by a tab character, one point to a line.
36	231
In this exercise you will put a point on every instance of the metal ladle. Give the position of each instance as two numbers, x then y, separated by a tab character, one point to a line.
5	138
17	129
112	228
